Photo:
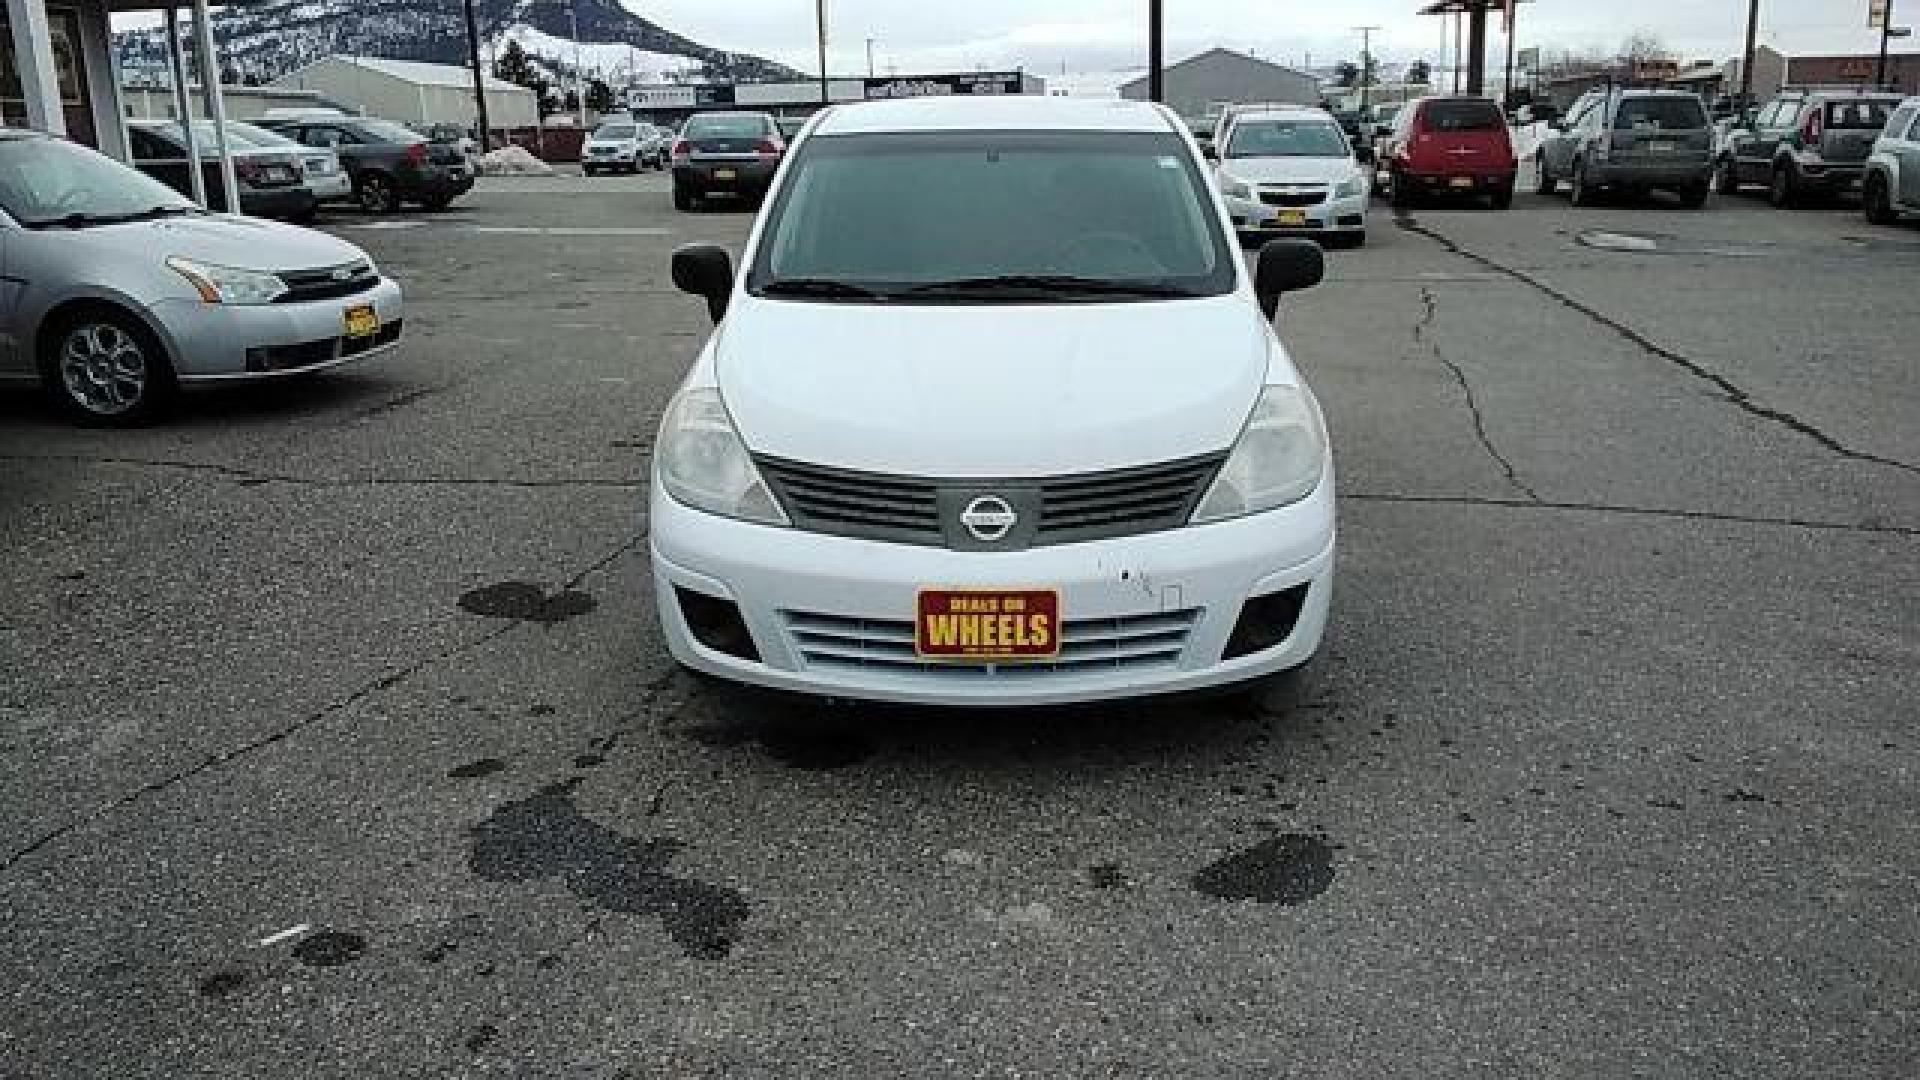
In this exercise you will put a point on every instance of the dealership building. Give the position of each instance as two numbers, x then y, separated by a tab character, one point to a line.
672	103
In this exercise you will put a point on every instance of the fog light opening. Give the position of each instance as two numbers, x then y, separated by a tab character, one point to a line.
716	624
1266	621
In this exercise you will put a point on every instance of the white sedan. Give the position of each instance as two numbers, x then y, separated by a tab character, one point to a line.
994	415
1293	172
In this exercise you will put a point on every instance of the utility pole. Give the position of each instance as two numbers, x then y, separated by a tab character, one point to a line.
1156	75
579	89
869	58
1886	32
820	25
479	79
1366	63
1513	22
1746	62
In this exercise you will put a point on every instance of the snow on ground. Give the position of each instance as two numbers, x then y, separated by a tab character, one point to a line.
1089	84
513	161
612	60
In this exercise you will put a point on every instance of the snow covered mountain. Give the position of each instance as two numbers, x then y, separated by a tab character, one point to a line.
267	40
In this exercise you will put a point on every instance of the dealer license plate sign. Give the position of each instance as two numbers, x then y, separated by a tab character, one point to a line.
1291	217
987	625
362	321
1461	181
724	174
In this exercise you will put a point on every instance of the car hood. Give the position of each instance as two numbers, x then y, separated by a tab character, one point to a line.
1294	170
243	242
991	390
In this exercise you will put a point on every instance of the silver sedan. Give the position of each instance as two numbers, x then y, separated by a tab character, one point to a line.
117	291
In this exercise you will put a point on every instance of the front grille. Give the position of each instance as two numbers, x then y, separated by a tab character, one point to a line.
268	358
1293	196
1054	510
835	642
304	286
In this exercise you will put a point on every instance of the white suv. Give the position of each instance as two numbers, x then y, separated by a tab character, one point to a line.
1892	182
994	414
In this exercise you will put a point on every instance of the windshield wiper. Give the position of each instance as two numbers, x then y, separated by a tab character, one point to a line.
82	220
1052	285
820	288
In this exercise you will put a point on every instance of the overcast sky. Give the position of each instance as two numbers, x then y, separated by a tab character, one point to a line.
1088	35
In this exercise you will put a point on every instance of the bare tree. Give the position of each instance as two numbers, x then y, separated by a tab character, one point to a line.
1644	46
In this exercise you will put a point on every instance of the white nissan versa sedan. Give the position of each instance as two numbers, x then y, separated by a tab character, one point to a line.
994	414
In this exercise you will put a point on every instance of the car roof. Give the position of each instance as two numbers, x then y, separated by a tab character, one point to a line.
1295	112
999	112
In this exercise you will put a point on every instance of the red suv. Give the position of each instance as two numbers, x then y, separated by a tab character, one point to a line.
1456	145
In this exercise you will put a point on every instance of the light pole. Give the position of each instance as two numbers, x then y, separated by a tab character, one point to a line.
579	90
820	25
1366	64
1746	61
869	58
1156	27
1886	32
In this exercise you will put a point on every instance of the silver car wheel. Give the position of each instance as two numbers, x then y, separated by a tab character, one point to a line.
103	368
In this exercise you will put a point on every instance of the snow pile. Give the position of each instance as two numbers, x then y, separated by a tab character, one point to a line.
613	61
513	161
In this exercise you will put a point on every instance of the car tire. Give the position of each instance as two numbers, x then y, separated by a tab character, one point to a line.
1399	195
1501	199
1726	177
1694	196
1545	182
684	200
437	204
104	368
588	170
1578	189
375	194
1876	199
1782	190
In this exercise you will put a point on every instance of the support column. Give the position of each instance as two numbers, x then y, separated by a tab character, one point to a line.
216	101
183	108
33	57
1477	51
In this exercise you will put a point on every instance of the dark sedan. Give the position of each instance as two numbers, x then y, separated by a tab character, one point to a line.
388	163
730	153
272	181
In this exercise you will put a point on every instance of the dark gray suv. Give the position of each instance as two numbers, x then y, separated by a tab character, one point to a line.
1617	139
1805	142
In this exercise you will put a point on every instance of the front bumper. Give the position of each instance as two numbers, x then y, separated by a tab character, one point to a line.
1339	215
1186	587
221	342
614	157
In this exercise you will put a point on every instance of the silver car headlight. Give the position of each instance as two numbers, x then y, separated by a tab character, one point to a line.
228	284
1352	187
1235	189
702	462
1277	461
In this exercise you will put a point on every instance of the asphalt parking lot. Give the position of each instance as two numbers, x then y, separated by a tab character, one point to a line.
340	741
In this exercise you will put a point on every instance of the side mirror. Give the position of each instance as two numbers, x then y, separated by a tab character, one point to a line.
1383	130
1363	153
1210	151
705	270
1286	266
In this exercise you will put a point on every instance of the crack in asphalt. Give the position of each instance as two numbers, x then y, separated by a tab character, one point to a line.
1420	334
375	686
1636	511
396	403
1735	394
260	476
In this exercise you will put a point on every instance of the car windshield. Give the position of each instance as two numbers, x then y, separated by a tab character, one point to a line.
615	131
1660	114
726	127
991	216
1865	114
53	182
385	131
1463	114
1286	138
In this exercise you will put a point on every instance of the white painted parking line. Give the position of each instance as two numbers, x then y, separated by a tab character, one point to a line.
531	230
373	226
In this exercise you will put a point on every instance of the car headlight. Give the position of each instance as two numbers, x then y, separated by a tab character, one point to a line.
1351	187
702	462
227	284
1277	461
1235	189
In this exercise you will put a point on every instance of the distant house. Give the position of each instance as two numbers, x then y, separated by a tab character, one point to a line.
1199	85
414	93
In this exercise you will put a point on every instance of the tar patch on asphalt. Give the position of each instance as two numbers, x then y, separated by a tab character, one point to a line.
530	603
546	836
330	948
222	984
1288	869
486	766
